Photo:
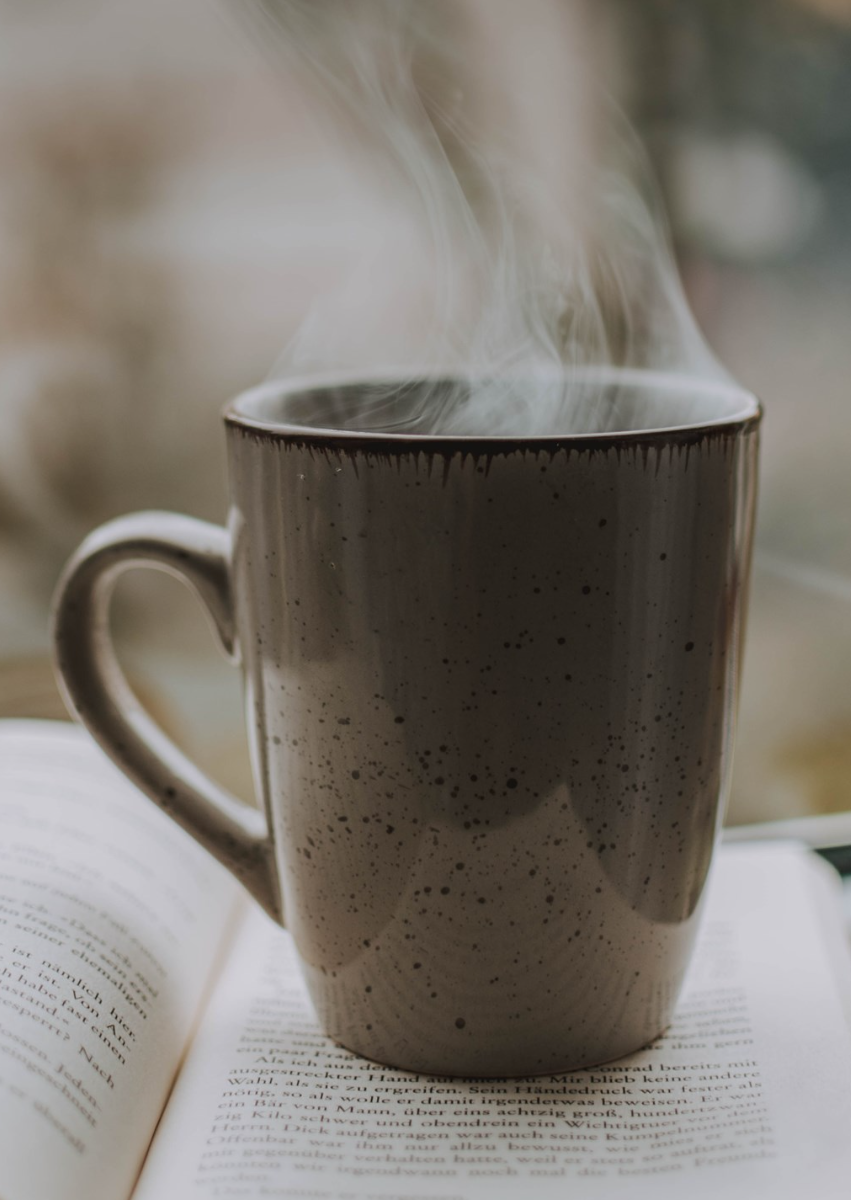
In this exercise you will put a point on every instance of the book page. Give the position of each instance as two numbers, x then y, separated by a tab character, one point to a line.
749	1093
110	919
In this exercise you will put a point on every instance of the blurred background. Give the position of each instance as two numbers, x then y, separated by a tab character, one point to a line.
168	214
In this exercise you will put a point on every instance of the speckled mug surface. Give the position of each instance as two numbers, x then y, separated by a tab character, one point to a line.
490	688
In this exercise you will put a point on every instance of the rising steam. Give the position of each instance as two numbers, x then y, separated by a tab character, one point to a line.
517	245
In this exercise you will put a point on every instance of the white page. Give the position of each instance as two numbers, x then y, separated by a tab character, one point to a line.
110	918
748	1094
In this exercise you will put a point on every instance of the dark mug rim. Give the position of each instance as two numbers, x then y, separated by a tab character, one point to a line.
245	411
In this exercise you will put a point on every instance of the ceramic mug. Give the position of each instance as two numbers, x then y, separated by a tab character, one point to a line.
490	693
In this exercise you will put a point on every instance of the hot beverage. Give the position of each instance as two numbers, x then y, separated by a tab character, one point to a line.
490	689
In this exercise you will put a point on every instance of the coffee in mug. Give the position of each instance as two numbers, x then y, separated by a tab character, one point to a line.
490	693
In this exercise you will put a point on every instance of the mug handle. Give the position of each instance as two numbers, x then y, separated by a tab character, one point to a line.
96	691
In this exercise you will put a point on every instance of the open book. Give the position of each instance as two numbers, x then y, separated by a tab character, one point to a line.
156	1040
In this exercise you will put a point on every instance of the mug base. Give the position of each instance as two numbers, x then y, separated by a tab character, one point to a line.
484	1064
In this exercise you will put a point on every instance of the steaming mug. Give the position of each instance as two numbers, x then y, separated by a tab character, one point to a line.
490	691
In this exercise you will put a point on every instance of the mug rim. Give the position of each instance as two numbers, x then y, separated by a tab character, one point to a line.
748	412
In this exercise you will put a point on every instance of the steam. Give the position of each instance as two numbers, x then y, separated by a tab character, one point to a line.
517	245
